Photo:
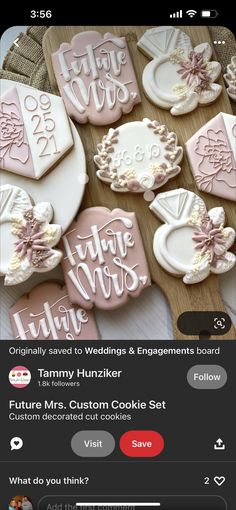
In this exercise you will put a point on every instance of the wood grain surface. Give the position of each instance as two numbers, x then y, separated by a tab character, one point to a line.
181	297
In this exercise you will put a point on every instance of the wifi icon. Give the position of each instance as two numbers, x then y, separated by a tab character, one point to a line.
191	13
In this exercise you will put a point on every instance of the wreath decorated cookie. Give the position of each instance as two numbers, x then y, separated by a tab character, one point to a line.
29	237
179	77
96	78
193	242
47	314
138	156
34	131
212	156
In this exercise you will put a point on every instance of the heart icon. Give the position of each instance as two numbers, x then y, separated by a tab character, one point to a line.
219	480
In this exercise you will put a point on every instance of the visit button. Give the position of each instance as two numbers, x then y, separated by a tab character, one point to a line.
141	443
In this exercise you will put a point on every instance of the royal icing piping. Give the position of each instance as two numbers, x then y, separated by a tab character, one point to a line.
35	132
212	156
193	242
28	236
179	77
138	156
230	79
47	314
103	258
96	78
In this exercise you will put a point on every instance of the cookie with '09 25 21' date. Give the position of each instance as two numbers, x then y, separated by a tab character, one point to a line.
35	130
180	77
103	258
47	314
27	236
96	78
138	156
193	242
212	156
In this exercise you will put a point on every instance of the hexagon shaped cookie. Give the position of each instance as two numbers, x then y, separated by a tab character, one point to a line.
212	156
35	131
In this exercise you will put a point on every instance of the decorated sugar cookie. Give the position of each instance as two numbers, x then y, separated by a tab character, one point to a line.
27	238
179	77
230	79
103	258
212	156
96	78
193	243
35	132
47	314
138	156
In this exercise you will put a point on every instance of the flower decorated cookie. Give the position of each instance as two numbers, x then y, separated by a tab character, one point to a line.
35	131
47	314
96	78
138	156
193	242
103	258
212	156
26	235
179	77
230	79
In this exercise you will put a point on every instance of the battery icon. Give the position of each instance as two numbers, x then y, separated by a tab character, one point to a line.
210	13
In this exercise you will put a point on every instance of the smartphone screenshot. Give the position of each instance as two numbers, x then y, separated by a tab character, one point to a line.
117	259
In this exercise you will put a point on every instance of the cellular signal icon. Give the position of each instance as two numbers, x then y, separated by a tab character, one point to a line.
178	14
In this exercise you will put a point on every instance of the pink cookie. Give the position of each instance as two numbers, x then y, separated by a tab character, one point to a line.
35	131
103	258
96	78
212	156
47	314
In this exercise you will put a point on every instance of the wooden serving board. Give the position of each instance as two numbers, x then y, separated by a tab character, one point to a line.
181	297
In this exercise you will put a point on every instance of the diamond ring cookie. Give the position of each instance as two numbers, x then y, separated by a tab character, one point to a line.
138	156
96	78
193	242
35	130
47	314
27	236
103	259
179	77
230	79
212	156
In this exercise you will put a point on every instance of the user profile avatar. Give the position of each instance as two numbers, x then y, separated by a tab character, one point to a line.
19	377
21	503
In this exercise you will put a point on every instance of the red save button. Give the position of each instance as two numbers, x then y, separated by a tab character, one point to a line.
141	443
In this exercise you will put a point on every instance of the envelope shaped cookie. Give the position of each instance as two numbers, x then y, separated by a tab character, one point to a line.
179	77
138	156
103	258
27	236
212	156
47	314
96	78
35	131
193	242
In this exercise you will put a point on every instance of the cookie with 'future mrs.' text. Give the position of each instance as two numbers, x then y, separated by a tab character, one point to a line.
47	314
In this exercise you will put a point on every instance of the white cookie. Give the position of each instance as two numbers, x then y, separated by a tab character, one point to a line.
138	156
35	131
230	78
193	242
179	77
26	236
